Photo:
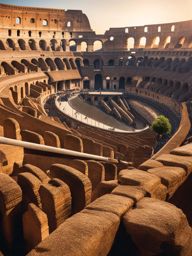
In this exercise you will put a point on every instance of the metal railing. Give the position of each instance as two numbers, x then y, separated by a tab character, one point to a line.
59	151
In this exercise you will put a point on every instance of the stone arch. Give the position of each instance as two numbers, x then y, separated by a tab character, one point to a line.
97	45
155	42
180	42
108	82
27	89
53	44
11	43
86	83
86	62
43	45
142	42
18	20
122	83
98	64
11	129
173	28
32	44
59	63
98	82
42	64
67	64
7	68
22	44
111	62
130	43
78	63
2	47
167	42
84	46
73	46
71	61
45	22
51	64
18	66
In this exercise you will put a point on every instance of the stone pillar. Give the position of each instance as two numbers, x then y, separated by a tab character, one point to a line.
90	48
92	84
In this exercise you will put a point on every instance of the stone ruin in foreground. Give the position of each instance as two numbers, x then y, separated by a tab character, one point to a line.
81	171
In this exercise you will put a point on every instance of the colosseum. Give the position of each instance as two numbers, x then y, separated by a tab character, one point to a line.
82	171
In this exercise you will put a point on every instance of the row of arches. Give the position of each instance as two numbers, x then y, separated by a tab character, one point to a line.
44	64
45	45
167	64
180	91
72	45
106	83
156	42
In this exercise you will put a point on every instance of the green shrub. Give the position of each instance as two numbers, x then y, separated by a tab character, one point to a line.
161	125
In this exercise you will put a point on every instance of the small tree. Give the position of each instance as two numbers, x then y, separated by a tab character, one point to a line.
161	125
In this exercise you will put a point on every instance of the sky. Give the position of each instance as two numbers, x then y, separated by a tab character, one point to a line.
104	14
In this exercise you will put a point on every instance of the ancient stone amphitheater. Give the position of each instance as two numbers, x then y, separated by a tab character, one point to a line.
81	171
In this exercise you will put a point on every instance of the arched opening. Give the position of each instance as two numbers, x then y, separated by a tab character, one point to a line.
53	44
180	42
32	44
142	42
42	64
66	61
97	64
7	68
78	63
155	43
126	30
111	62
32	20
97	45
145	29
86	62
20	68
59	63
45	22
18	20
159	29
22	93
121	61
73	46
122	83
98	82
27	90
71	61
51	64
69	24
108	83
43	45
83	46
11	43
167	42
22	44
86	83
2	47
130	43
173	28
